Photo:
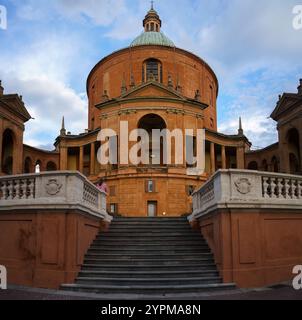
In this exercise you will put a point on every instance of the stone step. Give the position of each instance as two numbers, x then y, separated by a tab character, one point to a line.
151	226
150	235
148	241
144	290
147	268
149	256
146	282
152	231
150	262
149	274
152	219
155	256
148	247
129	251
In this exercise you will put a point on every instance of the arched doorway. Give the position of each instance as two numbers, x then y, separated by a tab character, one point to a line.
28	165
153	122
293	140
38	166
253	165
275	164
264	165
294	164
7	152
51	166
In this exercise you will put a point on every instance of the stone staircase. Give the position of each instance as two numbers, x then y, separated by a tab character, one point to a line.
149	256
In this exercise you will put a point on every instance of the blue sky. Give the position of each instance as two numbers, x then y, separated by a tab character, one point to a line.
49	48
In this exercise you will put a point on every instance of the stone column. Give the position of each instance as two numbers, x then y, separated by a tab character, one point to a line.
223	157
63	158
240	158
213	162
1	147
283	152
300	136
92	159
18	153
81	159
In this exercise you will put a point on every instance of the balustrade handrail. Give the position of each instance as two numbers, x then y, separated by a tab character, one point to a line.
232	187
57	189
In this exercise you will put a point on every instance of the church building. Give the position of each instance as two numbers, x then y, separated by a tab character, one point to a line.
152	84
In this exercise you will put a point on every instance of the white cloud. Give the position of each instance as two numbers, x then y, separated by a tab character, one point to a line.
48	101
102	12
254	51
251	46
41	75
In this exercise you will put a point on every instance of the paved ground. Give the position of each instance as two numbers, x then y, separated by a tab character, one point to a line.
280	292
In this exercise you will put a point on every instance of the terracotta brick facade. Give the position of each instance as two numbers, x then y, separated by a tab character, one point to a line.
183	95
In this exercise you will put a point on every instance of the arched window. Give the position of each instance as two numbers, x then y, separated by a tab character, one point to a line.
152	70
51	166
275	164
294	151
38	166
253	165
153	122
294	164
264	165
7	152
28	165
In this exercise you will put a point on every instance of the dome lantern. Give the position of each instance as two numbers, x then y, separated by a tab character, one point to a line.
152	34
152	22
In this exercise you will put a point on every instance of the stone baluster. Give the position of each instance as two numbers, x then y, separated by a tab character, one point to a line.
265	187
18	189
295	189
279	188
273	188
10	187
286	188
31	189
3	191
299	187
22	193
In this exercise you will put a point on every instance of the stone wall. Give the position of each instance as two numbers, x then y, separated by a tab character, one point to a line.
252	222
47	223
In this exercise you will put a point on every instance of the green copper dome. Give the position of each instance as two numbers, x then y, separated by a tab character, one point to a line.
152	38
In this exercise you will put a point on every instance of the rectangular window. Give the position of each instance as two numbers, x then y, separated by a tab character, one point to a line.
152	70
150	186
113	208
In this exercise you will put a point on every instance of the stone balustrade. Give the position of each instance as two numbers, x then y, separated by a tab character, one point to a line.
248	189
60	190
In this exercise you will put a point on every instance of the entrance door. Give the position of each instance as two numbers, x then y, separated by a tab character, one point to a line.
152	209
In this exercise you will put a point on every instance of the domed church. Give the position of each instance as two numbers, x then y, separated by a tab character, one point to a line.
152	84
